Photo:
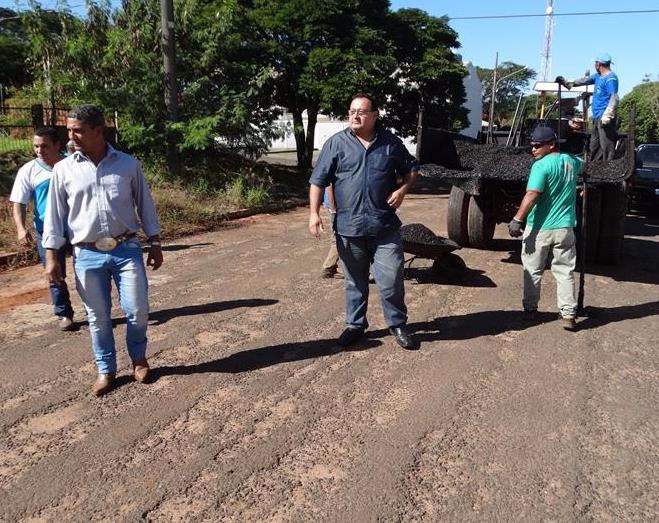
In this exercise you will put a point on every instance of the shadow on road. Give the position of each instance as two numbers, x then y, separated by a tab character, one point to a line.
252	359
181	247
164	315
476	324
598	316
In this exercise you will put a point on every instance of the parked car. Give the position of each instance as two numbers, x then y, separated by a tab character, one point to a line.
644	182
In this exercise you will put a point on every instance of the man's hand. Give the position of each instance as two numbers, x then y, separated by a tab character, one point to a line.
154	259
562	81
315	225
515	228
606	119
396	198
24	238
53	271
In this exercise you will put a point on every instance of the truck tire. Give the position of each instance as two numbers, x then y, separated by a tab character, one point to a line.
612	224
480	223
456	218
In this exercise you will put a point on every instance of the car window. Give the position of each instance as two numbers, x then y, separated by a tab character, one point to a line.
649	156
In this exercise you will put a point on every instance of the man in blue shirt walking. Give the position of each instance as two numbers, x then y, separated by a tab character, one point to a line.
362	163
603	107
31	183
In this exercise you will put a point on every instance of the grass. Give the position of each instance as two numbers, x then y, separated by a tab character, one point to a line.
196	201
14	144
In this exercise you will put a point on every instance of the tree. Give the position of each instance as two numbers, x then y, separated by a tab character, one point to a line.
428	73
14	49
508	89
645	98
319	53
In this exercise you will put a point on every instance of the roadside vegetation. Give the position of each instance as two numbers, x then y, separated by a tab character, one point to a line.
198	200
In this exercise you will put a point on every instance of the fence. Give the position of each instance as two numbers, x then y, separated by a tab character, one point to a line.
17	125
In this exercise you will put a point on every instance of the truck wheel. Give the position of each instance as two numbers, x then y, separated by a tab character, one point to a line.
612	224
480	223
456	218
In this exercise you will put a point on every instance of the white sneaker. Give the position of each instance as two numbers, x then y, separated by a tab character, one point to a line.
65	324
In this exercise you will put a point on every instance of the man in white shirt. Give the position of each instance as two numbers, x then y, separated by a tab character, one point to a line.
31	183
100	197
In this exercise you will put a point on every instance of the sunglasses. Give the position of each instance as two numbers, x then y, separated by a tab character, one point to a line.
535	145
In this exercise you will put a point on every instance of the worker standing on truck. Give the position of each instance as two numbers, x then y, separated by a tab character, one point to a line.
362	163
603	107
549	209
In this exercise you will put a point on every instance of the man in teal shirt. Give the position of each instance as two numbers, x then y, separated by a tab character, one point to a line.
549	210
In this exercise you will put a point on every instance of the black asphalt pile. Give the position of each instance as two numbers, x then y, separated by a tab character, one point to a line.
483	161
419	233
613	170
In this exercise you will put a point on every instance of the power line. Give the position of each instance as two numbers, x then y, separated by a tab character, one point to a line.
554	14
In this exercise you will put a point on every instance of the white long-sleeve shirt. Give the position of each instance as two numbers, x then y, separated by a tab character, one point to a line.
90	201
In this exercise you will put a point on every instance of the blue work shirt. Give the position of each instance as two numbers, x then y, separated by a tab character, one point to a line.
605	87
363	180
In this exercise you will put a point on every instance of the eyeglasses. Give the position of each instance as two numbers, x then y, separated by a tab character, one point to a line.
358	112
535	145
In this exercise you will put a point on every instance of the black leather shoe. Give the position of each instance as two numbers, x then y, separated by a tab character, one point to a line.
404	338
350	336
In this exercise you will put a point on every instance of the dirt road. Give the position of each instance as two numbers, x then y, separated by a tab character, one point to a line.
255	415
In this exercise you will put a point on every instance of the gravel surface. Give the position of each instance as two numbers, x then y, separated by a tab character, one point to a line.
255	414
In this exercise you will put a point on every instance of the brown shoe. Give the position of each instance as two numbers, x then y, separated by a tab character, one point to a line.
103	383
141	370
569	324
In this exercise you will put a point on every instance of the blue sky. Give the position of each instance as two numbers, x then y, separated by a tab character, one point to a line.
631	39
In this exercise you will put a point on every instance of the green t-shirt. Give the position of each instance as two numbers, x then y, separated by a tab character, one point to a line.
555	177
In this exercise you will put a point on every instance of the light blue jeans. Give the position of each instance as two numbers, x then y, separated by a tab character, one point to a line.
95	270
537	244
383	255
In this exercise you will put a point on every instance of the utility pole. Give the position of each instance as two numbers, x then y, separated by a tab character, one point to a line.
171	91
490	129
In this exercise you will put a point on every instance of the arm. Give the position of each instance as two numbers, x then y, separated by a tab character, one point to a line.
146	210
516	225
22	232
527	202
315	198
396	198
330	198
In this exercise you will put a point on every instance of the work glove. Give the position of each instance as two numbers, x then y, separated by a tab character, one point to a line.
515	228
606	120
562	81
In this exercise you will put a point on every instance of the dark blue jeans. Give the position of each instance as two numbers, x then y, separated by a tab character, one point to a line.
383	255
59	294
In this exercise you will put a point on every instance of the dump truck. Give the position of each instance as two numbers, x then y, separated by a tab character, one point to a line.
488	180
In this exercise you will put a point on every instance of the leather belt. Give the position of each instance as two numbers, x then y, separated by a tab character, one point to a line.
106	243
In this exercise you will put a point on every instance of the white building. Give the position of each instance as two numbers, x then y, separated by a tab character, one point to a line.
326	126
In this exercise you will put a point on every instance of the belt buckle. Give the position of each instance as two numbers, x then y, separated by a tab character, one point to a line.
106	243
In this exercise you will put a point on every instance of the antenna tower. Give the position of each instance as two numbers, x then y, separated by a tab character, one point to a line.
545	64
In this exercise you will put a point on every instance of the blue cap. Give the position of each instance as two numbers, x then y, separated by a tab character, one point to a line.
603	58
543	134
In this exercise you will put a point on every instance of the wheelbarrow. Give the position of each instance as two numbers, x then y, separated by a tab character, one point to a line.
421	242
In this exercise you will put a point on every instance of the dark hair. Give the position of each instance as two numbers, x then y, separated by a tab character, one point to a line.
50	132
90	114
374	104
